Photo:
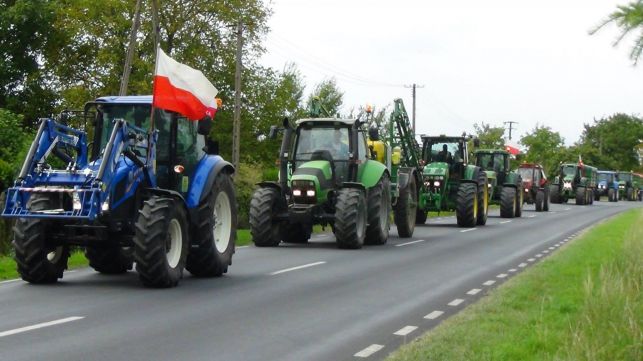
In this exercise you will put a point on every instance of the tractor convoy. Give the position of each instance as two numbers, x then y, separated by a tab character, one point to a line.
506	186
574	181
629	186
607	186
535	185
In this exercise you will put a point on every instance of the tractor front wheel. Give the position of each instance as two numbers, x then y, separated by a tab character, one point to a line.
611	195
508	202
379	210
546	201
554	194
580	195
265	231
466	210
213	243
540	201
350	218
483	200
161	242
38	261
406	209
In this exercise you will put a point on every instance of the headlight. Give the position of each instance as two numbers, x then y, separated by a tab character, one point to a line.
526	190
621	187
296	192
436	184
567	185
310	192
105	205
77	205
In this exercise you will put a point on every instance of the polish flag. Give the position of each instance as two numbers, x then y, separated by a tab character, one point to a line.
512	147
181	89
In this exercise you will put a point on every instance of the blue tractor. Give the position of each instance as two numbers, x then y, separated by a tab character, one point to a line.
607	186
129	183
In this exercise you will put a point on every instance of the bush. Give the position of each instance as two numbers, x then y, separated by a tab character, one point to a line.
246	178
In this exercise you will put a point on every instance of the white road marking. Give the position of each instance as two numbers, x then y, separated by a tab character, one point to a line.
502	275
512	270
455	302
297	268
10	281
546	251
405	330
522	265
530	260
242	247
369	350
489	283
72	271
473	291
468	230
407	243
532	216
552	212
40	325
433	315
539	255
552	248
567	209
503	222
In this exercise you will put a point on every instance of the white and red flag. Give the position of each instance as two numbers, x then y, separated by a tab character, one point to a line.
182	89
512	147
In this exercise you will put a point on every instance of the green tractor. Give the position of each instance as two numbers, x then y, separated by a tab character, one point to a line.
451	183
628	186
575	180
506	185
327	177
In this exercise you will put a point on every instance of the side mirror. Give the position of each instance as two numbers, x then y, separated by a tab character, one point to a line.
273	132
476	142
205	125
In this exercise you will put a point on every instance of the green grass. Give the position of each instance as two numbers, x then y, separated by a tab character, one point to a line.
582	303
8	265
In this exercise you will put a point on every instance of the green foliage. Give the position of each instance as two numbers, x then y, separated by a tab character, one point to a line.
329	94
490	137
629	18
545	147
15	142
245	181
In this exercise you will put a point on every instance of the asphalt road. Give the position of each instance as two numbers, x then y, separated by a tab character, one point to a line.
304	302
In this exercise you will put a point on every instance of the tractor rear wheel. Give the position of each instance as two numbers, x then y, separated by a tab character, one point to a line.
38	261
483	199
520	194
350	218
405	212
611	195
508	202
110	260
379	211
546	201
540	200
161	242
265	231
554	194
295	233
213	243
580	195
466	210
629	194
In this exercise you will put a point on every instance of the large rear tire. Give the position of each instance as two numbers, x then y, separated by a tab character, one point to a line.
350	218
379	211
580	195
508	202
38	260
214	238
483	199
629	195
405	212
110	260
466	210
264	230
546	201
611	195
161	242
540	200
520	194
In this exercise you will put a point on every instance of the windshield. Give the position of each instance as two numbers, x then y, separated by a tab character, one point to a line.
526	173
445	152
569	170
625	177
491	161
313	143
136	114
605	177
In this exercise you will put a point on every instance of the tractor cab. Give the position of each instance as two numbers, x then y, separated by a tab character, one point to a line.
493	160
446	153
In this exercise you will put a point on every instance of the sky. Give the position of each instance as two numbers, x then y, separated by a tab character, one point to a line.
490	61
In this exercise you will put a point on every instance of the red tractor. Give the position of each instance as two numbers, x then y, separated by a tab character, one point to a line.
536	185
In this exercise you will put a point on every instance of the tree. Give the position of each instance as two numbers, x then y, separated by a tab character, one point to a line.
490	137
628	18
329	94
545	147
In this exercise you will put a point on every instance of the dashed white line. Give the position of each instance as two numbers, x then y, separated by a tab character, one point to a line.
522	265
512	270
433	315
567	209
503	222
488	283
39	325
532	216
474	291
531	260
297	268
405	330
502	275
455	302
412	242
546	251
242	247
369	351
539	255
552	248
468	230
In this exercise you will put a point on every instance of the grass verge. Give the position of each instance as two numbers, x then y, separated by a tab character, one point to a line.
582	303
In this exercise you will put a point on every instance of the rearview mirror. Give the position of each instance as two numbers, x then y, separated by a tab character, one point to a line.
273	132
205	125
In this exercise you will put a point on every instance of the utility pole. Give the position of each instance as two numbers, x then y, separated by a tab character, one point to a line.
511	123
236	125
155	24
413	87
130	49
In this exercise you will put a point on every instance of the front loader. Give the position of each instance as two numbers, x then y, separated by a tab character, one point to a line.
131	183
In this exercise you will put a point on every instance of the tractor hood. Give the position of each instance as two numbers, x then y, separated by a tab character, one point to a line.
315	176
436	169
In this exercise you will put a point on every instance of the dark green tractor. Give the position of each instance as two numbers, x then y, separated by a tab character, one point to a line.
506	185
574	180
327	177
628	186
451	183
